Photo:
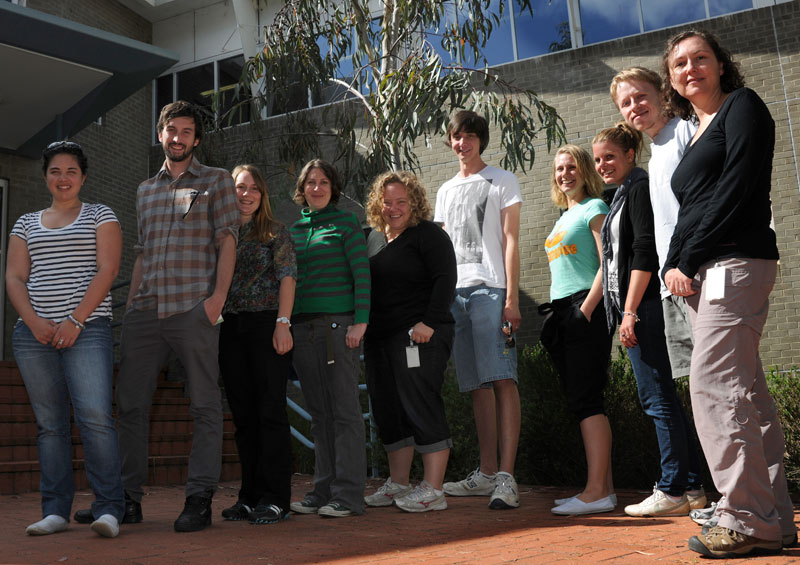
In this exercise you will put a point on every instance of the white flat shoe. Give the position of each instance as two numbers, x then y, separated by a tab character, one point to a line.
560	501
577	507
106	526
47	525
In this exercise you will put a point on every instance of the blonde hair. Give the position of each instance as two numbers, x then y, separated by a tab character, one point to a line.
417	199
641	74
592	183
264	223
624	136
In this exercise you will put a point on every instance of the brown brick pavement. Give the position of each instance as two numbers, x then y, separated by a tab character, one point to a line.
467	532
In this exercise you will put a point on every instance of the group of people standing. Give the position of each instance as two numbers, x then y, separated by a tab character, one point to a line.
682	260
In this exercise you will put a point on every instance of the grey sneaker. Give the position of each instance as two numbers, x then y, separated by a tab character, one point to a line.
476	484
306	506
505	495
335	510
386	495
422	499
703	515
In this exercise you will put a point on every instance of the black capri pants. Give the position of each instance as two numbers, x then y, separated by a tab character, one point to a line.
580	350
407	402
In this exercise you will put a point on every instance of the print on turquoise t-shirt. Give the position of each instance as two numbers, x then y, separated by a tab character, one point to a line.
572	251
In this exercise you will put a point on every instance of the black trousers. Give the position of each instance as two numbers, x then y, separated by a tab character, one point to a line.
255	384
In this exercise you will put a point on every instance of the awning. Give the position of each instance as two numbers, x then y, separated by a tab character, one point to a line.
58	76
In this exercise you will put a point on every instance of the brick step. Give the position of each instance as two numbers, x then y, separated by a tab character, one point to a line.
23	476
25	449
13	393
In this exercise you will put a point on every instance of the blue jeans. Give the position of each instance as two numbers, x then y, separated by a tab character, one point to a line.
479	349
680	464
83	374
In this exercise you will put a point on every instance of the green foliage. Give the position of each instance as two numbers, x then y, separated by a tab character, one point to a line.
398	88
550	448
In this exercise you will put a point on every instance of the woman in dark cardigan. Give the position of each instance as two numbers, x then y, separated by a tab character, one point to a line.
632	297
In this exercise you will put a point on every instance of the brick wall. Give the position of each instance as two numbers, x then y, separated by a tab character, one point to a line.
766	43
117	150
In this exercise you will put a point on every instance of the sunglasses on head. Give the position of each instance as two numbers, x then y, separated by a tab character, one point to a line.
64	145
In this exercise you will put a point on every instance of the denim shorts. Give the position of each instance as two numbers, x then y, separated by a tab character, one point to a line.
678	332
480	350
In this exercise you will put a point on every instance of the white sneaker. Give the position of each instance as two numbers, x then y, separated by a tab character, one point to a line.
385	495
106	525
476	484
505	495
422	499
659	504
47	525
697	498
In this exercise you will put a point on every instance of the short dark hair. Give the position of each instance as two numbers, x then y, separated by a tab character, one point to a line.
468	121
68	147
730	80
330	172
181	109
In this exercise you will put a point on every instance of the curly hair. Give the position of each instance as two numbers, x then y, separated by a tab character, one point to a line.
624	136
263	220
417	199
592	183
329	171
730	80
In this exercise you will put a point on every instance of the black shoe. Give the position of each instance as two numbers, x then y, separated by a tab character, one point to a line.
196	514
133	513
267	514
237	512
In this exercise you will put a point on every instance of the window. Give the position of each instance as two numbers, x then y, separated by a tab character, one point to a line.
211	86
602	20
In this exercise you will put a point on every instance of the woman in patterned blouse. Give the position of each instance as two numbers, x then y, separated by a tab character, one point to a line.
254	353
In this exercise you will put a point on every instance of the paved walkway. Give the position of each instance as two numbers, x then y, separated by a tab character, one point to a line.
467	532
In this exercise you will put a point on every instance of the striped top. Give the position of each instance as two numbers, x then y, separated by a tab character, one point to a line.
63	261
181	224
332	265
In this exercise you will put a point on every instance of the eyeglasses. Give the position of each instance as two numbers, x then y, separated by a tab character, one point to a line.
64	145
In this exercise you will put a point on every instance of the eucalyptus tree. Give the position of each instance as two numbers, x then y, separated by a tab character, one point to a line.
395	72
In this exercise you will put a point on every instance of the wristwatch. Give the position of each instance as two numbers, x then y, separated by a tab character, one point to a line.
284	320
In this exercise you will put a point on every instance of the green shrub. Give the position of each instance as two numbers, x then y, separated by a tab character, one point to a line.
550	447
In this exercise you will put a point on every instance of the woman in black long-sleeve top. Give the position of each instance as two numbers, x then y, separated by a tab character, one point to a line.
723	259
409	338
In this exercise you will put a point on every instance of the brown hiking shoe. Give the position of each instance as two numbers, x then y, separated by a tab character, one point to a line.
722	543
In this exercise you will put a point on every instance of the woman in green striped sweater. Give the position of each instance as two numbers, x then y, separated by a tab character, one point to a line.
331	311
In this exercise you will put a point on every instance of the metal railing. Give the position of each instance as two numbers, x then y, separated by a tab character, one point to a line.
291	404
300	411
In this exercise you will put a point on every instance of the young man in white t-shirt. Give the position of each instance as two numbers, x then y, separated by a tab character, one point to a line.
480	210
636	91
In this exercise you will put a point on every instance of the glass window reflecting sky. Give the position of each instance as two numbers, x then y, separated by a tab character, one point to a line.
665	13
608	19
544	32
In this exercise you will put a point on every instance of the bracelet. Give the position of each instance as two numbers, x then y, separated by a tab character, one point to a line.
635	317
74	320
284	320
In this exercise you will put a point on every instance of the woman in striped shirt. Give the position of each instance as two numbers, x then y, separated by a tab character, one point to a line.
331	311
61	263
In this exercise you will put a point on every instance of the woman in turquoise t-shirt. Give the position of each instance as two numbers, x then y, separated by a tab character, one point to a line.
575	332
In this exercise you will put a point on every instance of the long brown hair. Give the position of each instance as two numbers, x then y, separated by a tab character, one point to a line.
264	224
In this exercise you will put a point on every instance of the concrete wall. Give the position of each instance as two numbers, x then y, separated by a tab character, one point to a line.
117	150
